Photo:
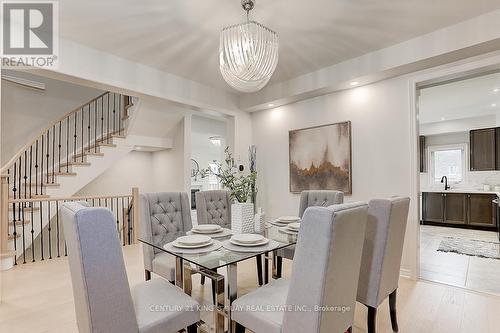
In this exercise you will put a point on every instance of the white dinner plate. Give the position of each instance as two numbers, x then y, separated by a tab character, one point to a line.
289	219
262	242
193	240
247	238
207	228
185	246
207	232
294	226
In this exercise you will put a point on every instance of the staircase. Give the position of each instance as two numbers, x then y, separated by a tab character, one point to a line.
66	156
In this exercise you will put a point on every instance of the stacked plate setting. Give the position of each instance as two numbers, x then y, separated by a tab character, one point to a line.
294	226
248	240
207	229
192	242
286	220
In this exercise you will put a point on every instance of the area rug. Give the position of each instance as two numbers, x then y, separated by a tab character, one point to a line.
470	247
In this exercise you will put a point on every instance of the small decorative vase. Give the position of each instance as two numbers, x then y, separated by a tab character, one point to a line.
260	222
242	218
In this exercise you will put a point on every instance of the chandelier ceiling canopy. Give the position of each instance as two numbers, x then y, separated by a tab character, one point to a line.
248	53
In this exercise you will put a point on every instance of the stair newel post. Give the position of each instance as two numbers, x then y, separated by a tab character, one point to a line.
135	213
6	254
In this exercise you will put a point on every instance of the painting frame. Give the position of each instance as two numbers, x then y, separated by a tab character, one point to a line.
349	164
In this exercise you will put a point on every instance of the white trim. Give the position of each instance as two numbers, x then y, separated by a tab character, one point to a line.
24	82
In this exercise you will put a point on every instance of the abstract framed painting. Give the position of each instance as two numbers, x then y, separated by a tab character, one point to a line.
320	158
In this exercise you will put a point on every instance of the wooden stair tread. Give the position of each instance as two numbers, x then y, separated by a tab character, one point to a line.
43	184
65	173
11	223
106	144
88	153
75	163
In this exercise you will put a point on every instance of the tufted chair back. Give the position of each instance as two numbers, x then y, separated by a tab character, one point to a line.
214	207
319	198
162	216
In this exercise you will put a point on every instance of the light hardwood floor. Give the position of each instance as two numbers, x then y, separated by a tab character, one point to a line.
38	298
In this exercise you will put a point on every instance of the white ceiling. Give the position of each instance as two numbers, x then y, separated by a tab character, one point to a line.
470	98
182	36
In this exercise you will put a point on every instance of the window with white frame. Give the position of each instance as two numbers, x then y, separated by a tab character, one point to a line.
447	161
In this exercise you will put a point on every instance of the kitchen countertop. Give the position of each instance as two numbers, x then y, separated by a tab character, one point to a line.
459	190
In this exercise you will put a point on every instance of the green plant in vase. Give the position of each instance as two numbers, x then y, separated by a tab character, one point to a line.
232	177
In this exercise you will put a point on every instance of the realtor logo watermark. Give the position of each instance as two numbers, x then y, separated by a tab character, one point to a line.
30	34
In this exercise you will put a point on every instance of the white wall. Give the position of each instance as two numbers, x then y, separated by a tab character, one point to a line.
26	112
381	156
134	170
458	125
169	166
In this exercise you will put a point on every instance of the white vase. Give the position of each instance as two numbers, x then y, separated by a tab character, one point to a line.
242	218
260	221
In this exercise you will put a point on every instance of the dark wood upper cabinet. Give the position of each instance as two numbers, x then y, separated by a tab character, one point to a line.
481	210
423	155
483	149
455	211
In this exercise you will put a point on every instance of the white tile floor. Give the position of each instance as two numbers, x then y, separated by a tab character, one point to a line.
479	274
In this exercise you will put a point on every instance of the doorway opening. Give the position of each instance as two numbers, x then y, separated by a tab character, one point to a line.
459	150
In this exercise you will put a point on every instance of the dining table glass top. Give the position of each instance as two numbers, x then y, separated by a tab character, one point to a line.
222	256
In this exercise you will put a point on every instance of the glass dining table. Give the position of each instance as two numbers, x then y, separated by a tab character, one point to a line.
207	264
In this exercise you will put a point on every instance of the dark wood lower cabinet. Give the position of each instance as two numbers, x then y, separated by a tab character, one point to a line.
433	207
481	210
455	208
459	210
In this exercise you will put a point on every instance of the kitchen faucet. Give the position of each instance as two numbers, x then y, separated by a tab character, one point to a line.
445	181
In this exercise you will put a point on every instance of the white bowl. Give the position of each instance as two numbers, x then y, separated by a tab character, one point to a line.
289	219
295	226
197	246
247	238
193	240
207	228
259	243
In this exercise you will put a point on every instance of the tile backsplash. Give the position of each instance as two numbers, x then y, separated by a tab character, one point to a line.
473	180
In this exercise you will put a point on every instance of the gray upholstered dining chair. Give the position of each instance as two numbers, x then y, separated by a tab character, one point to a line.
104	301
214	207
382	254
322	198
162	216
324	277
310	198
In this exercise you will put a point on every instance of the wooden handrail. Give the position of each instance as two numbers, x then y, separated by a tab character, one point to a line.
26	146
90	197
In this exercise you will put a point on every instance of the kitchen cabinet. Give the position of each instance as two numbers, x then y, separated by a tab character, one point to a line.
433	207
459	210
483	149
423	155
481	210
455	208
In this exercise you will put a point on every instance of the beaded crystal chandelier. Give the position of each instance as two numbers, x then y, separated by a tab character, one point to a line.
248	53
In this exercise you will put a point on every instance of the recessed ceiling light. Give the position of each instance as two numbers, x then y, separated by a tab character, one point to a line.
138	147
443	118
354	83
270	105
496	90
493	105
